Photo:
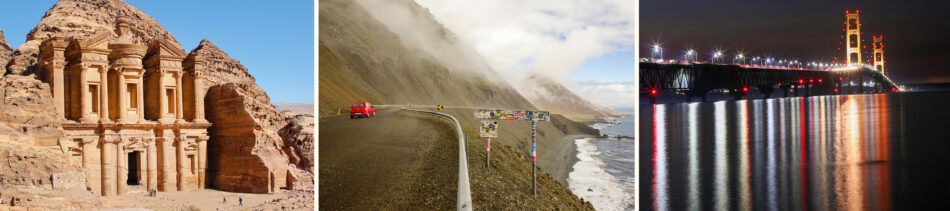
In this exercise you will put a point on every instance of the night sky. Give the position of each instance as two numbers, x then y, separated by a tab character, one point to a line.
916	33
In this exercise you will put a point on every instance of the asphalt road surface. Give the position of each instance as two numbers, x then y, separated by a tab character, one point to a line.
396	160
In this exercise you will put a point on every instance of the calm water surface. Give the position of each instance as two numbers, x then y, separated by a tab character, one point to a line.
853	152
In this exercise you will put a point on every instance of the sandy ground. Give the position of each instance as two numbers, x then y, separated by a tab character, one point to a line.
137	199
214	200
397	160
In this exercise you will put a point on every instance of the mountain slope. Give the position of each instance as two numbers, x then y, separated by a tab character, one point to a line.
361	60
552	96
396	52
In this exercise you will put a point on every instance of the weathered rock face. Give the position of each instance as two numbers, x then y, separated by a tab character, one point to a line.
81	19
298	139
27	113
22	164
221	68
29	132
6	52
244	151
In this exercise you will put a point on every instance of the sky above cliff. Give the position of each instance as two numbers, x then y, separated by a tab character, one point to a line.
586	45
274	41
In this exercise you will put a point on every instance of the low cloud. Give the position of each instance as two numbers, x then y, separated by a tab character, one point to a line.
542	37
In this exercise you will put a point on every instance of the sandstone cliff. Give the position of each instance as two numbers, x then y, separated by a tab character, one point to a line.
245	149
222	68
6	52
298	139
27	113
24	164
29	132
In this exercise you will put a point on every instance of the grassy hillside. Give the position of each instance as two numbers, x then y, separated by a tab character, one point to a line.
360	59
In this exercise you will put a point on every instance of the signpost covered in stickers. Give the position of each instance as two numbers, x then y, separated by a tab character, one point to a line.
489	130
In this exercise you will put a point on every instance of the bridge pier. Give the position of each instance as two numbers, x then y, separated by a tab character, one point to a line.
838	87
766	91
696	92
861	84
808	90
737	93
785	89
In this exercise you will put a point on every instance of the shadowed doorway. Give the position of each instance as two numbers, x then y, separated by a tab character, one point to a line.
133	169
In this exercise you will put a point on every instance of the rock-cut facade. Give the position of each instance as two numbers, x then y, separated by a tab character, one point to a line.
132	109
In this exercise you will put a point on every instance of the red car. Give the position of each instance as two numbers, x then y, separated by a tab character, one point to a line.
362	109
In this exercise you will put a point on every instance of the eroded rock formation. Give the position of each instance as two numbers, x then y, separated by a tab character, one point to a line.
298	139
6	53
27	115
245	127
244	150
24	164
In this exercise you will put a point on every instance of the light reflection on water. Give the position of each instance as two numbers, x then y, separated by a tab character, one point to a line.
824	152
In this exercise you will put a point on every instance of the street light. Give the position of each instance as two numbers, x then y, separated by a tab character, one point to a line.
741	58
717	55
690	53
657	51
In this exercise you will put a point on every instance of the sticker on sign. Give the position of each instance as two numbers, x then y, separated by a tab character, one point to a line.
512	115
489	129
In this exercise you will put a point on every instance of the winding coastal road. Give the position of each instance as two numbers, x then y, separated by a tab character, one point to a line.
396	160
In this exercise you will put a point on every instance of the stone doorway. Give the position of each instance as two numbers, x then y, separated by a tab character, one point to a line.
134	177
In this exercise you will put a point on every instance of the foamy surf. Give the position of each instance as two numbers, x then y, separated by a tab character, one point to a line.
591	181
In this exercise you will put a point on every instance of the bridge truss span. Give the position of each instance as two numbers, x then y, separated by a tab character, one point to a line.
700	79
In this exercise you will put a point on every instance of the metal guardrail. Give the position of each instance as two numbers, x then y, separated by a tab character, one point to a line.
464	201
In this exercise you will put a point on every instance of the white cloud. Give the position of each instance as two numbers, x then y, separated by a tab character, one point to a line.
550	38
615	95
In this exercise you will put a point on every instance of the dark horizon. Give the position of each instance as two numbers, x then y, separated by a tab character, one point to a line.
914	32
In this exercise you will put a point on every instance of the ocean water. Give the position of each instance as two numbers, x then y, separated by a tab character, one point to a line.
604	173
847	152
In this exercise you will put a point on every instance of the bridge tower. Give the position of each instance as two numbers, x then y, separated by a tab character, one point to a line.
852	38
879	54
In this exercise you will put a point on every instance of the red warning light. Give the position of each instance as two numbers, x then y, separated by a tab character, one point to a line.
745	89
801	81
819	80
836	90
653	91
